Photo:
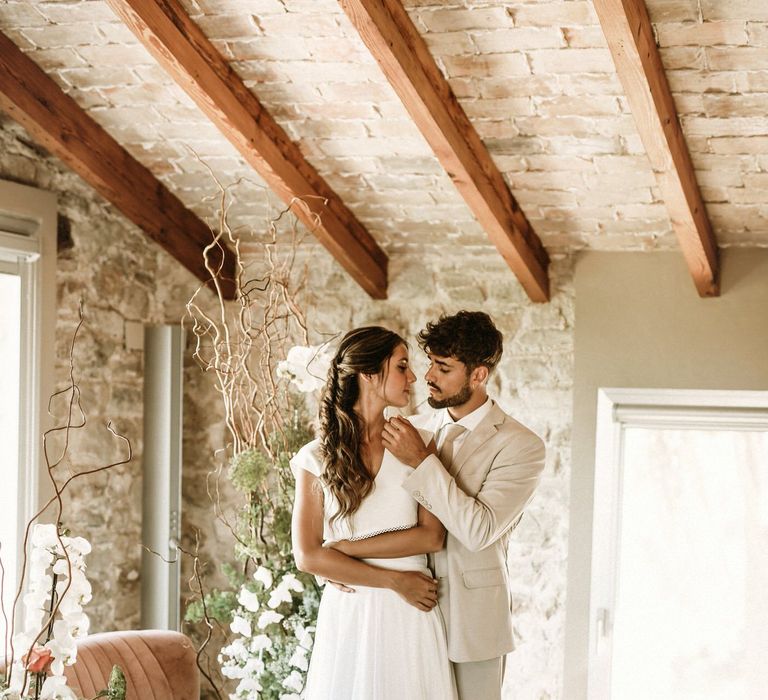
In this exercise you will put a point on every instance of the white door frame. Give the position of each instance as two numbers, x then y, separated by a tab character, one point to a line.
28	220
618	409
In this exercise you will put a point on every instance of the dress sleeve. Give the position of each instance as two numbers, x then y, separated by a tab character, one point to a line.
308	458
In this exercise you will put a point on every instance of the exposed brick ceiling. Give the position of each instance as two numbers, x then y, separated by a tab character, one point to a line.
535	78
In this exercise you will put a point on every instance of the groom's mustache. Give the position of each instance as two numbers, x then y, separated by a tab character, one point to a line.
433	386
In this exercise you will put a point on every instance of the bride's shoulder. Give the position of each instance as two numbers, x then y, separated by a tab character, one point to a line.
308	458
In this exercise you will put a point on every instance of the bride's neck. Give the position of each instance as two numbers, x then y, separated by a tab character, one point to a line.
371	410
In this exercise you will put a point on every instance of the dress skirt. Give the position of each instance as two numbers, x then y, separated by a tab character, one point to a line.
372	645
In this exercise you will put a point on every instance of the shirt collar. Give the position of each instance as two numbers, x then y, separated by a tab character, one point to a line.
471	420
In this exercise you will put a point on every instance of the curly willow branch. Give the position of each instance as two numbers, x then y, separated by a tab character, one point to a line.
75	419
239	341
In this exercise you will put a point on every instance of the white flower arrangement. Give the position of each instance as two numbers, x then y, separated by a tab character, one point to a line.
58	589
270	655
306	367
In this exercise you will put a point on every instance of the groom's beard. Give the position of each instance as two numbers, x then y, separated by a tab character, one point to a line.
460	397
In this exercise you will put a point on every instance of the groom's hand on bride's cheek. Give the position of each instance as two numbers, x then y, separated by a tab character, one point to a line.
404	441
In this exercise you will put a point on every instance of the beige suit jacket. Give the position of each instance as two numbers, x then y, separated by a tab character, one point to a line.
479	499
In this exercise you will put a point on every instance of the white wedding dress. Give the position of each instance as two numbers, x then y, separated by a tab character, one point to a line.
371	644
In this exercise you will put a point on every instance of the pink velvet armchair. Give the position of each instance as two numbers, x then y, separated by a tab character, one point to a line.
158	665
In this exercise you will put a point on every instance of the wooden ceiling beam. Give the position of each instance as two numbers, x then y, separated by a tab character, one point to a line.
387	31
182	49
628	30
56	122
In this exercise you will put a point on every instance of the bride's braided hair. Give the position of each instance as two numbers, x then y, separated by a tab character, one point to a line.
361	351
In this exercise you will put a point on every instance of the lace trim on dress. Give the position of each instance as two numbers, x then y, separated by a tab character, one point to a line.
381	532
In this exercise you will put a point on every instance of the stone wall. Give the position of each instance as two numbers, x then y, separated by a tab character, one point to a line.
124	277
120	276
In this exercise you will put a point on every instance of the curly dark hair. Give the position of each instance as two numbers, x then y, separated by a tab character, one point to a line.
469	336
361	351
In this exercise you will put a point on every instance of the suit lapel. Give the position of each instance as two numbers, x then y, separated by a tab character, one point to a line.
483	432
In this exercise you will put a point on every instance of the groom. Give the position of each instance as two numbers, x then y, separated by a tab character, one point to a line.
485	471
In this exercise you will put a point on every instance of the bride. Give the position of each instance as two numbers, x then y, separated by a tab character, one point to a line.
379	636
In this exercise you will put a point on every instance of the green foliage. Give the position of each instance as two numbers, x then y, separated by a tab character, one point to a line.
277	653
218	605
249	470
116	685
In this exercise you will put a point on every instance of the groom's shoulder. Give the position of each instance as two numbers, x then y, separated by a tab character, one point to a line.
515	430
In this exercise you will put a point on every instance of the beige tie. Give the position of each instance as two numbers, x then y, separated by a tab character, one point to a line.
450	432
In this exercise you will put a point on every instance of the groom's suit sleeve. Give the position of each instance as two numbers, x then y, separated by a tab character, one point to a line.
478	521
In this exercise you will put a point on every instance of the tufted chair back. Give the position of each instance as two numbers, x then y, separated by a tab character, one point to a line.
158	665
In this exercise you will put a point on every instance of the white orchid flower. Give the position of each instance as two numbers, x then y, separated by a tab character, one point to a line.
232	671
240	625
278	596
250	686
39	558
299	659
294	682
55	688
264	576
267	618
45	536
254	666
249	600
63	644
260	643
290	582
35	600
18	673
61	568
78	624
305	637
237	650
77	545
306	367
70	605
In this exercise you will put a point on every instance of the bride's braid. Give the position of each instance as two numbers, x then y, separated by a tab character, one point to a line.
361	351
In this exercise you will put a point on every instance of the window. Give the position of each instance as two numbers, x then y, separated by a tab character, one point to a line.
10	345
680	546
27	314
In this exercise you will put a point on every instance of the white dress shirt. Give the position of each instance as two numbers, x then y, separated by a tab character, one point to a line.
470	422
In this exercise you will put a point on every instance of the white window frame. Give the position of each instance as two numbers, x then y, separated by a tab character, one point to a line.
28	219
617	410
